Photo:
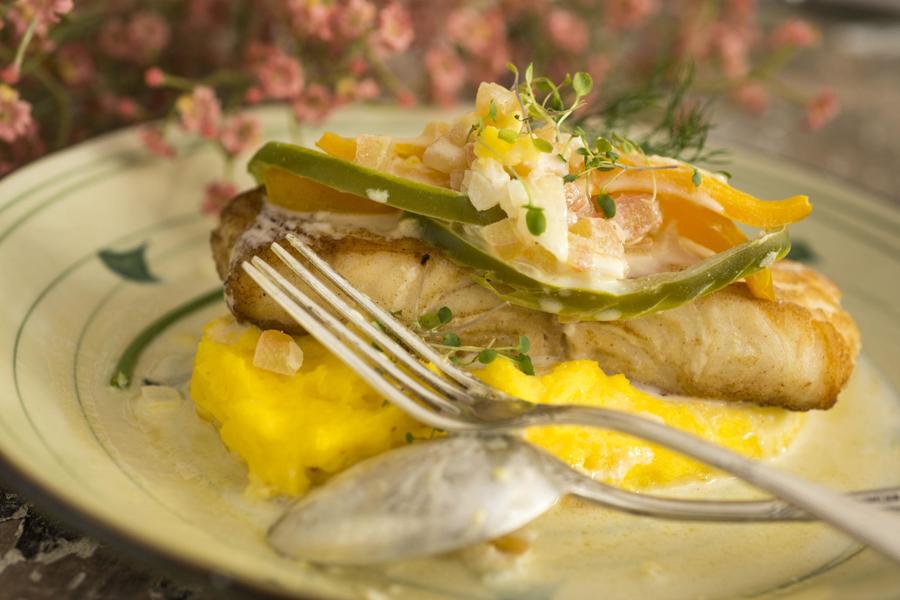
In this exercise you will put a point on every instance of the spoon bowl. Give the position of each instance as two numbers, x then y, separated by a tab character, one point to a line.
423	499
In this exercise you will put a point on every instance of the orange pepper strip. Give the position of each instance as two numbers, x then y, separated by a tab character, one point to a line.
736	205
300	194
713	231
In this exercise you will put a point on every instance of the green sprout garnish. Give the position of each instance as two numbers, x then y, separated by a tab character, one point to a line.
606	204
456	352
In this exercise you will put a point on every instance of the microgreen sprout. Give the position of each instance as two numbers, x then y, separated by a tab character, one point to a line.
432	321
459	353
606	204
695	178
535	220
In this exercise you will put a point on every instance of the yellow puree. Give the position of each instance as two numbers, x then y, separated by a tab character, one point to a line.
296	431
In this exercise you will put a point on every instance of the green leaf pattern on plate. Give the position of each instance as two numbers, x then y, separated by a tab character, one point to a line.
129	264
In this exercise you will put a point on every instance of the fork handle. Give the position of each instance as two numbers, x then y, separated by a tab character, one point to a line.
729	511
867	524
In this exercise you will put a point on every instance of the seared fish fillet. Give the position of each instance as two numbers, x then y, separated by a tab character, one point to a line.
796	352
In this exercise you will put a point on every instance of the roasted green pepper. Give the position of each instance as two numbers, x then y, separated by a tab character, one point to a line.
348	177
621	299
445	216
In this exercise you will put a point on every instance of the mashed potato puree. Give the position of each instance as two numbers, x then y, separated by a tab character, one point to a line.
294	432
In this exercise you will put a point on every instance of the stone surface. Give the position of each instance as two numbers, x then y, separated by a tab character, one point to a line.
860	60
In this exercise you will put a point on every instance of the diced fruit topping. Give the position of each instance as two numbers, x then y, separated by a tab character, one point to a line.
277	352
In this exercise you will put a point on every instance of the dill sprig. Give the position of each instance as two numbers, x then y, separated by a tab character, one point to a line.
659	117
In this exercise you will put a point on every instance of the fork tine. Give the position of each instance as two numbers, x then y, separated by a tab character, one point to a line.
392	324
309	315
388	344
328	330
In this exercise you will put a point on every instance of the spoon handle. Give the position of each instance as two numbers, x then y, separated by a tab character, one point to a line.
867	524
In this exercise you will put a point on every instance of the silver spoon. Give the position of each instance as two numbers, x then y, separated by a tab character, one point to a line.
446	494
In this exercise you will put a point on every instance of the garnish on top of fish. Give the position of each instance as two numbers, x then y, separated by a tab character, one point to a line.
585	245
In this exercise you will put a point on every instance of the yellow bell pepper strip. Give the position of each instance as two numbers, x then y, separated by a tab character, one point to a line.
350	178
713	231
619	299
301	194
338	146
735	204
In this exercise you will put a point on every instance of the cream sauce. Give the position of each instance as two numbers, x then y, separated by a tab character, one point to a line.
578	550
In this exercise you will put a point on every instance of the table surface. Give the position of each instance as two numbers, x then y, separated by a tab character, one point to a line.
859	59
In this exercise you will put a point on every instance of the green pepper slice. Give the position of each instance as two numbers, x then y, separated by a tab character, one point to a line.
622	299
345	176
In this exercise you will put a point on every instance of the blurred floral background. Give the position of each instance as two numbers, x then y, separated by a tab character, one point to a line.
75	68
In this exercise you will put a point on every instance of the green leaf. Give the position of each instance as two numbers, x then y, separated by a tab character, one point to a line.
508	135
582	83
445	315
450	339
486	356
570	177
603	145
523	361
524	344
542	144
696	179
529	73
536	220
410	438
130	264
606	204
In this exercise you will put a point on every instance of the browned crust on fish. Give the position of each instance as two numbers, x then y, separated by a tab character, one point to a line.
796	352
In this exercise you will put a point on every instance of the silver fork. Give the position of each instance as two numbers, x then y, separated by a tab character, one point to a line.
458	402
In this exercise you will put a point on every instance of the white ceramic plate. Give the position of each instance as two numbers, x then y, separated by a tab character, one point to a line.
100	240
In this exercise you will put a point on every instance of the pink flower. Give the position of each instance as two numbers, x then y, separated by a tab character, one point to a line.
366	89
126	108
598	65
217	195
45	11
154	77
349	89
628	14
200	112
795	33
753	97
15	115
313	19
406	98
731	47
313	105
568	32
280	77
75	65
137	41
821	109
148	33
239	133
395	28
354	18
10	75
478	33
155	142
446	72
